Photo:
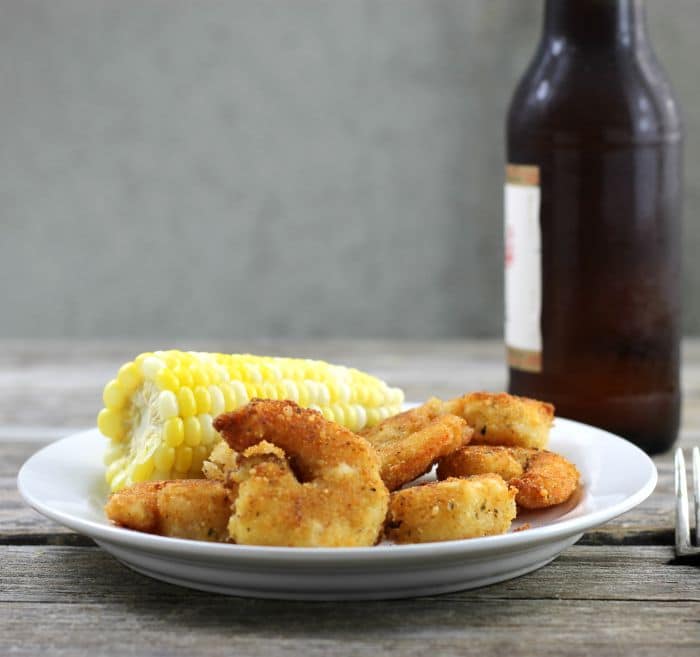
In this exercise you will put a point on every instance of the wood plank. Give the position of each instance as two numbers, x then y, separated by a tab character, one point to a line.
47	574
65	600
411	628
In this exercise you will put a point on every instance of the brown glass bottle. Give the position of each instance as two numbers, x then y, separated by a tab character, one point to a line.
595	130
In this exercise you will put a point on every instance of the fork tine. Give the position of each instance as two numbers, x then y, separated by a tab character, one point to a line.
682	520
696	492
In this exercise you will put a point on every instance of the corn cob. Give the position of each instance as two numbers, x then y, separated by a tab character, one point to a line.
159	409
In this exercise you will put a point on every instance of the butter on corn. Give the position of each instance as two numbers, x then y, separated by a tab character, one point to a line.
158	410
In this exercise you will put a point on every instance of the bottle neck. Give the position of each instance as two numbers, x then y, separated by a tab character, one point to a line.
596	23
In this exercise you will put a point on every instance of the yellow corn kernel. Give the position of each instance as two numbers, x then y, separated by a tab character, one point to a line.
174	431
209	434
142	471
338	414
214	376
350	417
184	376
269	372
229	397
234	373
167	405
166	380
193	431
199	453
186	402
199	376
242	396
303	392
151	366
372	417
114	395
291	390
138	361
129	376
251	372
384	413
172	360
269	390
110	423
360	394
203	399
217	400
164	458
361	415
183	458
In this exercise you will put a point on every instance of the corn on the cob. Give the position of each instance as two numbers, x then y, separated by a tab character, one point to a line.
158	410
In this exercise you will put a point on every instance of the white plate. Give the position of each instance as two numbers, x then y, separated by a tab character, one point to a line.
64	481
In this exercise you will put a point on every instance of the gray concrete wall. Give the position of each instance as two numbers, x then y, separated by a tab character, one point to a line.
257	168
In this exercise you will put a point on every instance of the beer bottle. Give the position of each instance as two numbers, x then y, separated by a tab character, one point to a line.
592	225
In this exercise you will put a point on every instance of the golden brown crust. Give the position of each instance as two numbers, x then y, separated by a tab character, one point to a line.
548	479
503	419
506	462
409	456
313	443
136	507
313	484
182	508
410	443
403	424
542	478
451	509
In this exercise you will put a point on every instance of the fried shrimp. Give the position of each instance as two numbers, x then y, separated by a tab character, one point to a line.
301	480
410	443
542	478
503	419
181	508
451	509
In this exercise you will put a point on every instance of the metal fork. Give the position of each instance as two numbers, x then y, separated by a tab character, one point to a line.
684	547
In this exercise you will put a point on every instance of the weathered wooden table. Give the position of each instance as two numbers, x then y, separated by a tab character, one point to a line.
618	591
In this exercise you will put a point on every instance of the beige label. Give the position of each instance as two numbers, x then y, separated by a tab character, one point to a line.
523	268
523	174
520	359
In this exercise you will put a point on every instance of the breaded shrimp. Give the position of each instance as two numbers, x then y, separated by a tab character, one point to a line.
503	419
182	508
320	484
451	509
542	478
403	424
411	442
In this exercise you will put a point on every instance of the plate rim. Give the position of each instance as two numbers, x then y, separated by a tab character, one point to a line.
472	548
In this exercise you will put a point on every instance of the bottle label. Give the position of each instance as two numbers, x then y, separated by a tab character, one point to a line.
523	268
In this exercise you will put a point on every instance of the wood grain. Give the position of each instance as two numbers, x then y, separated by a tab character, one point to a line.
85	593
